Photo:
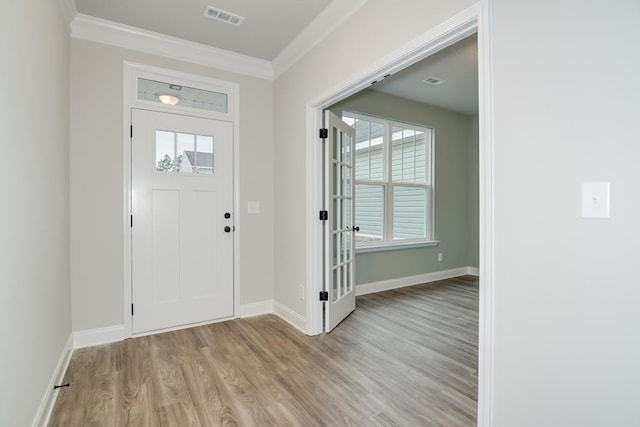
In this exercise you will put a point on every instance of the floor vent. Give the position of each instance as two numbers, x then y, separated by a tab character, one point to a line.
223	15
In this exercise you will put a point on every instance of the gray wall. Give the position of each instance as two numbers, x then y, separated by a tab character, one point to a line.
473	195
456	144
35	311
567	318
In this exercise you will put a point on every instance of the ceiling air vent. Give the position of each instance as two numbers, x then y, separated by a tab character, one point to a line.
223	15
434	81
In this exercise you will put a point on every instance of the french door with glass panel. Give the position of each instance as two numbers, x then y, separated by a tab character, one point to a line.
182	222
339	230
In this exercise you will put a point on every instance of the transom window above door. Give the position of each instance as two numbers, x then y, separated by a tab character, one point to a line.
175	94
394	182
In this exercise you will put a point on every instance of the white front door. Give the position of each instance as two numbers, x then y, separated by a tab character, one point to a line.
339	232
182	222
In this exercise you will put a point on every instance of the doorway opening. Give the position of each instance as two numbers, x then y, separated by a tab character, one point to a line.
469	22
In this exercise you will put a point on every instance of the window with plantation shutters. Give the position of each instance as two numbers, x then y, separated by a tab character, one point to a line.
394	189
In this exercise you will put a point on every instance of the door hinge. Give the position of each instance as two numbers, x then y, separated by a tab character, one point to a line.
132	309
131	131
324	215
324	133
324	296
131	221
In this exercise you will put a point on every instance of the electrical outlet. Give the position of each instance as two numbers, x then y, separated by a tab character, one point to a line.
439	256
301	293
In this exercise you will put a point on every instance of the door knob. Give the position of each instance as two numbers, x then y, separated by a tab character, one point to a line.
356	228
227	229
227	215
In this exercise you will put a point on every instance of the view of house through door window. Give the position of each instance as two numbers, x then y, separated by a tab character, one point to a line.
394	184
183	152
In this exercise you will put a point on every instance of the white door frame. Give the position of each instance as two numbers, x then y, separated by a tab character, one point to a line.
131	71
472	20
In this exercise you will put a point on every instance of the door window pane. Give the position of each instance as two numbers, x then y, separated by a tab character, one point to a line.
165	151
183	152
337	219
336	283
204	154
347	214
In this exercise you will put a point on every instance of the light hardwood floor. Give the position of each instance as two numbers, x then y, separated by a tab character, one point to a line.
406	357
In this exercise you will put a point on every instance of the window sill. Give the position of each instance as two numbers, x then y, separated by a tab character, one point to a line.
396	246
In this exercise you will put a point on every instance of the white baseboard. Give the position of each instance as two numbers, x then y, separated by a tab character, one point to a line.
401	282
98	336
291	317
50	395
256	308
473	271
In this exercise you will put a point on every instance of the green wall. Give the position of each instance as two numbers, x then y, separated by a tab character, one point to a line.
456	176
473	194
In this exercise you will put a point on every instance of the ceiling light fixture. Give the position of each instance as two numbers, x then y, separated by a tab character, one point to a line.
168	99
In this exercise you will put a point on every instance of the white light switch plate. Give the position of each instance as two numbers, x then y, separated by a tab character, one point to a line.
595	200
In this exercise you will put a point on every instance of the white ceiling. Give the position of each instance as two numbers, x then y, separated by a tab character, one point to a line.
457	64
277	30
269	25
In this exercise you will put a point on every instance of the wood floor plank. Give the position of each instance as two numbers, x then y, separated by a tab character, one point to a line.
178	414
168	381
406	357
138	389
213	406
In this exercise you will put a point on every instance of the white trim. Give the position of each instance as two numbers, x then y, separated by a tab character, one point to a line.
256	308
324	24
487	219
94	29
86	27
401	282
314	229
49	399
90	337
130	72
393	246
181	327
68	9
291	317
473	271
234	110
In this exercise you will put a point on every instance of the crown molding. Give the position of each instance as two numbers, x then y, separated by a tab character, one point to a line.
89	28
68	9
325	23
